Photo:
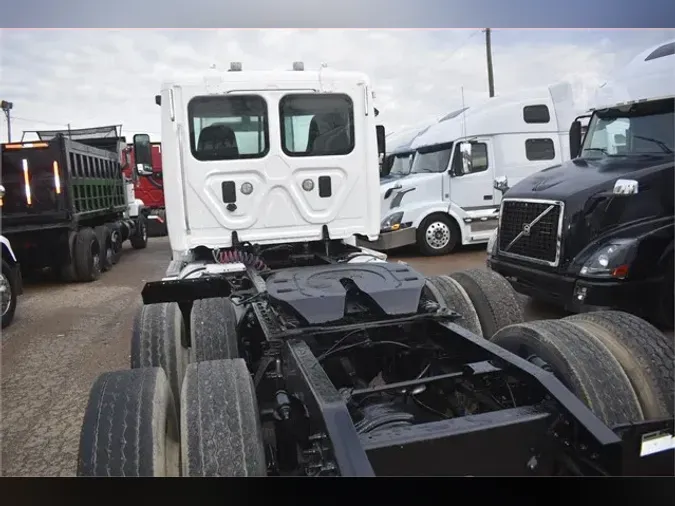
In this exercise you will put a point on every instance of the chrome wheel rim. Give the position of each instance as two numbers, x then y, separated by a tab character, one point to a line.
5	294
437	235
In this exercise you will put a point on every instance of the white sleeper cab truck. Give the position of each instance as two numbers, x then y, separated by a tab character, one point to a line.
273	347
448	199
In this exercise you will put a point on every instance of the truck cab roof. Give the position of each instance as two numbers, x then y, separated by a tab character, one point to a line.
504	114
648	76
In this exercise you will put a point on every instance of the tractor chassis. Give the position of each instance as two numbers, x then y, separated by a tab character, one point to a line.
529	439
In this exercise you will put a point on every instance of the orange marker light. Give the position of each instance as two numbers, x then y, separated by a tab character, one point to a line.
26	182
57	177
620	272
27	145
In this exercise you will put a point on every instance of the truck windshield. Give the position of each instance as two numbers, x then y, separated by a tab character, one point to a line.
638	130
401	164
432	159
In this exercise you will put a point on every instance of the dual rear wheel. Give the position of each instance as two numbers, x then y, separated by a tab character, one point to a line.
211	399
618	365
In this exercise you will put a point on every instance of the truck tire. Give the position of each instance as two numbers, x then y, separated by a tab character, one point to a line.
493	297
116	241
213	329
644	352
158	228
220	426
140	238
438	234
580	362
156	342
454	297
8	294
66	271
663	314
130	426
105	241
87	255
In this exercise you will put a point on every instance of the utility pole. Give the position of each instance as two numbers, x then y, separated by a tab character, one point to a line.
6	107
488	50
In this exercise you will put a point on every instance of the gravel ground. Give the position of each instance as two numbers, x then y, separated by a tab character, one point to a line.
64	336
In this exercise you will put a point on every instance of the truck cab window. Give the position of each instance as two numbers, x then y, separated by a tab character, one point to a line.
479	159
316	125
228	128
644	129
432	159
401	164
539	149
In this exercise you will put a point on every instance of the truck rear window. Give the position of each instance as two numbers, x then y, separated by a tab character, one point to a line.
228	128
317	125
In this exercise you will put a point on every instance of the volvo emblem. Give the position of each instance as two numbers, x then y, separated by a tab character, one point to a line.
527	227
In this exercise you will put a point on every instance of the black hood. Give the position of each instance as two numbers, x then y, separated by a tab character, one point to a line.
591	210
580	176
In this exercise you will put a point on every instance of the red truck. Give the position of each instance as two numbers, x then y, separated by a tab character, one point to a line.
149	188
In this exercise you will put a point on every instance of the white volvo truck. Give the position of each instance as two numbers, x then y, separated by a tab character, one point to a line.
448	198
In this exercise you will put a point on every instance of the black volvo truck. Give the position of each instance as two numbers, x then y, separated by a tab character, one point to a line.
597	231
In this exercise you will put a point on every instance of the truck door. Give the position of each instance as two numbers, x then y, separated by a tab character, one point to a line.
471	183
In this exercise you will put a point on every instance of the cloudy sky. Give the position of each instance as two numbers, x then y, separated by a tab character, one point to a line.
98	77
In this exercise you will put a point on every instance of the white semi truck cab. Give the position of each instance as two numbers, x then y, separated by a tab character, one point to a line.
448	198
270	157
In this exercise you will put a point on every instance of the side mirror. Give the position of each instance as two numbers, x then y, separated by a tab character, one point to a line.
501	183
575	139
624	187
381	143
143	154
467	161
158	99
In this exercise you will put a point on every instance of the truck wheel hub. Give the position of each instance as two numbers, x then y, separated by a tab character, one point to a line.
5	294
438	235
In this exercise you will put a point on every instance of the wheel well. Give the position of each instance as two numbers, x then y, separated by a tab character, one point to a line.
7	255
667	254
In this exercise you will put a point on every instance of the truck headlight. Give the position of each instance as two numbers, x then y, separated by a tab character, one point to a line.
492	242
611	260
391	222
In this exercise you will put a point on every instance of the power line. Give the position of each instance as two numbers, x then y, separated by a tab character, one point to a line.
30	120
473	34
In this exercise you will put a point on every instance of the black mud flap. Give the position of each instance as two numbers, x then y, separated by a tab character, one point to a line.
186	290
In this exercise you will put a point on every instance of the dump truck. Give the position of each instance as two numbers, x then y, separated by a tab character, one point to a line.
67	206
274	346
148	186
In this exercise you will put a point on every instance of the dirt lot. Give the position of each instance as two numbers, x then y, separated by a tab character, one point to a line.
63	336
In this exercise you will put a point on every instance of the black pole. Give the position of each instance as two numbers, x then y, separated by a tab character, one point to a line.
9	126
488	50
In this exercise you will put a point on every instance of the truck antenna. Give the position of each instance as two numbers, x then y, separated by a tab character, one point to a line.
463	114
